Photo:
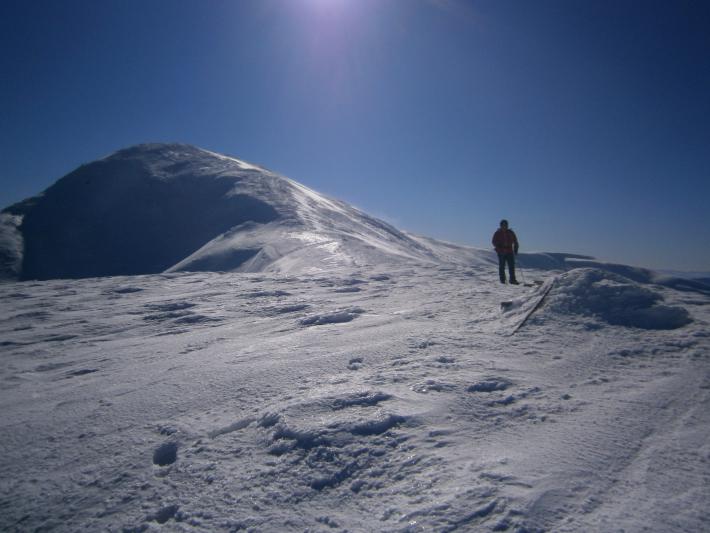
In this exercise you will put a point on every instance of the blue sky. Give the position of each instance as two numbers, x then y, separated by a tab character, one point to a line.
585	123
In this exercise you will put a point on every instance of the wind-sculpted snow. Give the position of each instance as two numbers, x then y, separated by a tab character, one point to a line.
613	299
270	402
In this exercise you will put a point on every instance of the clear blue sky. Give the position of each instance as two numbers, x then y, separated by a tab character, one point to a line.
585	123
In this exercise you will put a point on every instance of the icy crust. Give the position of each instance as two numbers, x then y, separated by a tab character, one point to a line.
613	299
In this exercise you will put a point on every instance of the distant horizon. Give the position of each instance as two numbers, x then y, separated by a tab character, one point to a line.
585	125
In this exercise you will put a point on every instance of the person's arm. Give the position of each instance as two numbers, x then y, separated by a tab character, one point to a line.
515	242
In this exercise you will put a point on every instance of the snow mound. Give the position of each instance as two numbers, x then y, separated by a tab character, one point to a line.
156	208
613	299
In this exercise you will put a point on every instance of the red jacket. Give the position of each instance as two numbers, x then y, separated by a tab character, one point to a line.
505	241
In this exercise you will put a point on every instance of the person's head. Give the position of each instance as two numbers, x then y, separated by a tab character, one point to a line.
504	224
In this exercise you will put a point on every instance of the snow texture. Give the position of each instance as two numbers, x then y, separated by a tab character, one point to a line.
613	299
346	376
266	402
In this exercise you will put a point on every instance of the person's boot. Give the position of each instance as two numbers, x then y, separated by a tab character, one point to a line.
514	282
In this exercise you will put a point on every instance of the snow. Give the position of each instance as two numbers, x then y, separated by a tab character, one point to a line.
208	401
242	164
12	245
613	299
320	370
170	207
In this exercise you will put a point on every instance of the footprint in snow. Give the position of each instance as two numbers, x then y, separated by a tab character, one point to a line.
348	289
164	514
490	385
356	363
165	454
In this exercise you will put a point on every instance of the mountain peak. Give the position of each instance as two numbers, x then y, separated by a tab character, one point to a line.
173	152
153	148
158	207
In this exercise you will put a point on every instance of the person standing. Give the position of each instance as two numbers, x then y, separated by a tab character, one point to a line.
506	244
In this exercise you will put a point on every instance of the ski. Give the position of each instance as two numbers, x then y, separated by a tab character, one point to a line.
544	291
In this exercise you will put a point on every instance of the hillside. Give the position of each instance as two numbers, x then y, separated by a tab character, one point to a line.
240	353
169	207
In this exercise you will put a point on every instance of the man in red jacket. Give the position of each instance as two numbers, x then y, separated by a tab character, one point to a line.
506	245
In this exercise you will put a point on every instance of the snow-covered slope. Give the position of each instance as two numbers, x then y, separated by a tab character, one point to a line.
171	207
376	399
281	361
156	208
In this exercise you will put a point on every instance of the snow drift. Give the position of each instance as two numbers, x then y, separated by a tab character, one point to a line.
613	299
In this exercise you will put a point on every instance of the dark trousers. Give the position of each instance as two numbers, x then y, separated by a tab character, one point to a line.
502	260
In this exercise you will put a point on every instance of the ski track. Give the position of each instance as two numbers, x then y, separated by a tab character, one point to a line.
387	400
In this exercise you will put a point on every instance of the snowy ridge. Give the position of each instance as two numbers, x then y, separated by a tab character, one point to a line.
155	208
170	207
